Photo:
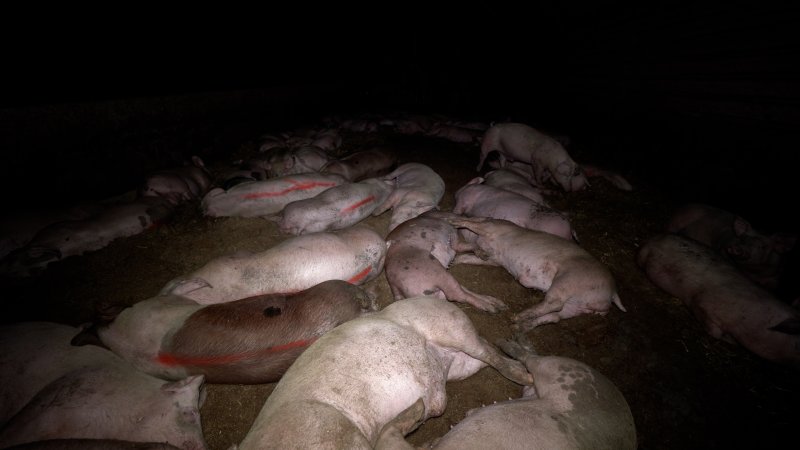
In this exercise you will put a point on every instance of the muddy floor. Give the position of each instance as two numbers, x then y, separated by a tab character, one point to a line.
686	389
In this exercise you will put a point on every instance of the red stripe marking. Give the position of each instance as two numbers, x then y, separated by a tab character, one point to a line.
295	187
168	359
361	203
359	276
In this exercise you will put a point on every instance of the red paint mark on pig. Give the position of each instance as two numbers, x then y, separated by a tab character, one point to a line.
168	359
296	186
352	207
359	276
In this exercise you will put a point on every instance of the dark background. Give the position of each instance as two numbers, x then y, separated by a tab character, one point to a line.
698	99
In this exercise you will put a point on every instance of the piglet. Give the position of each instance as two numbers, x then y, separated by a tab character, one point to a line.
417	261
338	207
374	162
248	341
180	184
265	198
547	157
53	390
732	307
759	256
417	189
570	405
355	254
361	376
574	281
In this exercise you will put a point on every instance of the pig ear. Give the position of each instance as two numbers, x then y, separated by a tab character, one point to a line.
476	180
188	383
741	226
783	242
788	326
197	161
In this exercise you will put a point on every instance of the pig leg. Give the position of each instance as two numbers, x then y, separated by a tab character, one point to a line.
477	347
387	204
474	260
392	436
454	291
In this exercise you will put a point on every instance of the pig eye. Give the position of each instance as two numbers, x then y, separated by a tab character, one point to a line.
272	311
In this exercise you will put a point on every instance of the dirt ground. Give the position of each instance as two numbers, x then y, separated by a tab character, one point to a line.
686	389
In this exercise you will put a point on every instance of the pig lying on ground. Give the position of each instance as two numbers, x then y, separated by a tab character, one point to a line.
731	306
548	159
264	198
570	405
77	237
355	255
18	228
481	200
357	378
417	189
92	444
247	341
305	159
338	207
574	281
364	164
510	180
327	139
757	255
455	133
417	260
52	390
180	184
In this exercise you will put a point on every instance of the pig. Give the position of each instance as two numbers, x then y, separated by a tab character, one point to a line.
112	402
327	139
549	161
303	159
481	200
53	390
92	444
248	341
574	281
338	207
731	307
270	142
417	189
455	133
180	184
359	125
76	237
759	256
360	376
417	261
355	254
510	180
374	162
614	178
18	228
570	405
265	198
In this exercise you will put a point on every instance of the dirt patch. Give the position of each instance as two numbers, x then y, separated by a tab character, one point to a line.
686	389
